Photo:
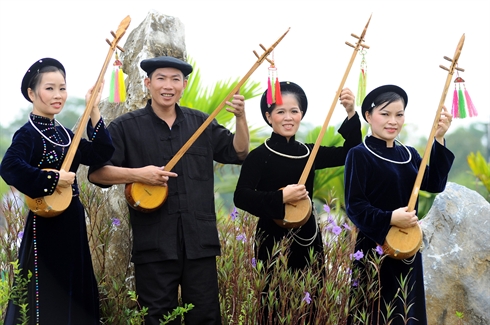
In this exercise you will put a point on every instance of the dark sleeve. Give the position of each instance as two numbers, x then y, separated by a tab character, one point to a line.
350	130
223	149
117	159
98	148
373	222
17	172
262	204
436	174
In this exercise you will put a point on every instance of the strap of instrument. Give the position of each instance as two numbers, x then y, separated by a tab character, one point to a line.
314	151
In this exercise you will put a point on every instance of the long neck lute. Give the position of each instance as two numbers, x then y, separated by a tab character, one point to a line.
88	109
425	159
171	164
314	151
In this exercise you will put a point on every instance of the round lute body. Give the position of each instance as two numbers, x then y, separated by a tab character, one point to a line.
51	205
145	198
296	214
403	243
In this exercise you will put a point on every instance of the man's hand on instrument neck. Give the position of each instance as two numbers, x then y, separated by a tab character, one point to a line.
241	141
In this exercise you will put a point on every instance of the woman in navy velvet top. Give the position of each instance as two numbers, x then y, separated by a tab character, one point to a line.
63	288
379	176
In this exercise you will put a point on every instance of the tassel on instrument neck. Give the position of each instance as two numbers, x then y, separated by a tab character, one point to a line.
117	91
454	110
471	108
273	86
362	84
462	103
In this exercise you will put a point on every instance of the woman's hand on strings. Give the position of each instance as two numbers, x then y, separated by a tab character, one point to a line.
403	219
66	179
443	125
293	193
347	99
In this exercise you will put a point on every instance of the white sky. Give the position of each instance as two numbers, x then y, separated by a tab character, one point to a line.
407	40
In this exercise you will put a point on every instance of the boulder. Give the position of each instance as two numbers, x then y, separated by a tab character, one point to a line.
457	257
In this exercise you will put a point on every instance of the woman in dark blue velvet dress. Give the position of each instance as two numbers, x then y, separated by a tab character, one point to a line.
379	176
63	288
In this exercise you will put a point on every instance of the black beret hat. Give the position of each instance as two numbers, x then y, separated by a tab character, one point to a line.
369	101
150	65
34	69
286	87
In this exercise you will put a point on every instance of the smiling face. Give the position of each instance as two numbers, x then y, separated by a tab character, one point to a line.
387	121
49	95
286	118
166	86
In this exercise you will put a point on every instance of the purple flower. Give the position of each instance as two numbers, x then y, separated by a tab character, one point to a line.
116	222
326	208
379	250
307	297
234	214
357	255
355	283
336	230
254	262
241	238
21	234
331	220
346	226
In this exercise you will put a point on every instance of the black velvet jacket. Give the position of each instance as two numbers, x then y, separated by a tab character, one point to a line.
373	189
263	173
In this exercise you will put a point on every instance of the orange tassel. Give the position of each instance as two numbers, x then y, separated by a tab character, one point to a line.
278	93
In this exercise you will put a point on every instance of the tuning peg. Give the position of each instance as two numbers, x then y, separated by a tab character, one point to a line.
350	44
443	67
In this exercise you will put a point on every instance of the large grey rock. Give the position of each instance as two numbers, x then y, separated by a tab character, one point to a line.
457	257
157	35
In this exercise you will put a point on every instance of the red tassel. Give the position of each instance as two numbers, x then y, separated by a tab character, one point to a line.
454	110
278	93
269	91
471	108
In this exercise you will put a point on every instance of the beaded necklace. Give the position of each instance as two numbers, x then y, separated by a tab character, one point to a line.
386	159
288	156
44	136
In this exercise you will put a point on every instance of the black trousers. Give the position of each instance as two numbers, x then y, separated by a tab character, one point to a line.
157	286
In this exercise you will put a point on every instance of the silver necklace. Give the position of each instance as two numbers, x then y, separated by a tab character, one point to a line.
386	159
44	136
288	156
